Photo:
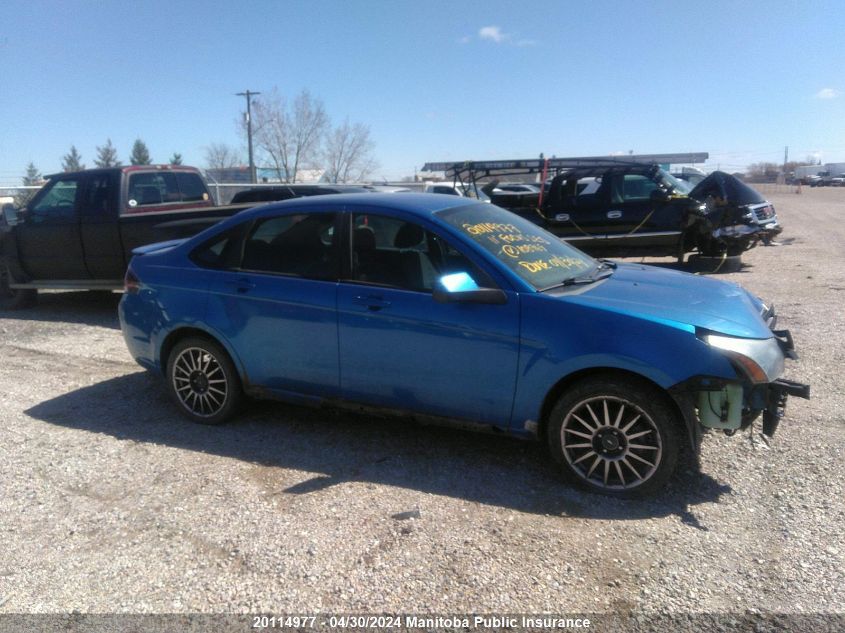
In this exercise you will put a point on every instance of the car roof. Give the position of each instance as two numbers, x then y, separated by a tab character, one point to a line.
422	204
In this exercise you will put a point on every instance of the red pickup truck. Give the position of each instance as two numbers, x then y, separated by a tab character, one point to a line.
78	231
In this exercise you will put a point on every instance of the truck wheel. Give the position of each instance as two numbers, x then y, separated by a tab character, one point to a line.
14	299
714	264
203	381
615	435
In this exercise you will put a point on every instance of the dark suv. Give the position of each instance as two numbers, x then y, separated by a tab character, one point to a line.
638	209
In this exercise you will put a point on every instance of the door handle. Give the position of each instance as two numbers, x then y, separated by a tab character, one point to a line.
373	302
242	285
614	215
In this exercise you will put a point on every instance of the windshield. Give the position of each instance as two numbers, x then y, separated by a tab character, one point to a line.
537	256
677	185
471	191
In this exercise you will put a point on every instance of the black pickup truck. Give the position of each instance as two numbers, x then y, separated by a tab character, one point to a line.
618	209
79	230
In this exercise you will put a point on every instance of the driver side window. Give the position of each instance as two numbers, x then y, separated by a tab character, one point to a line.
58	202
394	252
636	187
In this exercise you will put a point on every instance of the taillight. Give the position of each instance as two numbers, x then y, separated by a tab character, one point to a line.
131	283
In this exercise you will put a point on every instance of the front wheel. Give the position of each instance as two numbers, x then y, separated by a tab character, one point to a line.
203	381
14	298
615	435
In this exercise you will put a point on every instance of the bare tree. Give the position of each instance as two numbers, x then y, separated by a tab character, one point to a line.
762	172
289	137
220	156
348	155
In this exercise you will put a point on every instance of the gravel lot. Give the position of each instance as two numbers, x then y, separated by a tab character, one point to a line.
110	502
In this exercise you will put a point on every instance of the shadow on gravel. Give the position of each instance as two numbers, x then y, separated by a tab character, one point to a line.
345	447
89	308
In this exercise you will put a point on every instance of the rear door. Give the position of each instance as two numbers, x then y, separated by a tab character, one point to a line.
578	210
278	308
101	238
49	239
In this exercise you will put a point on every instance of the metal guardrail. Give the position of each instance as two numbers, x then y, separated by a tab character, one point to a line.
14	190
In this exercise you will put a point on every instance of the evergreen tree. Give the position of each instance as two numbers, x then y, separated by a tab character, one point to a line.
176	159
140	154
72	161
107	156
33	176
30	179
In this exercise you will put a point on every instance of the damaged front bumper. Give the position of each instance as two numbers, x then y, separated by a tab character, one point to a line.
742	237
771	397
777	393
734	404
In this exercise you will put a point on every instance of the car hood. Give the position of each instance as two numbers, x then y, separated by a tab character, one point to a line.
729	188
658	294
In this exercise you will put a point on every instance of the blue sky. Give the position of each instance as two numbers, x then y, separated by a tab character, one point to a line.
433	80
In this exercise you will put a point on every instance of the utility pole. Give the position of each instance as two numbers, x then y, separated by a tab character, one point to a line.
248	94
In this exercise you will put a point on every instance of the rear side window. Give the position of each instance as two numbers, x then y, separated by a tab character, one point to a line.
97	200
222	252
302	245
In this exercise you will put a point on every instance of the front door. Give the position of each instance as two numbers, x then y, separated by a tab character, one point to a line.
637	218
48	240
400	349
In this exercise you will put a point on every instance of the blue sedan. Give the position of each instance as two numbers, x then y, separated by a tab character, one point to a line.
446	308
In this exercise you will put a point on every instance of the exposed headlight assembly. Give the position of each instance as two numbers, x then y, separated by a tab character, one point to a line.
760	359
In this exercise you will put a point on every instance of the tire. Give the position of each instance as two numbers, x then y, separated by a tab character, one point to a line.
714	264
14	299
615	435
202	381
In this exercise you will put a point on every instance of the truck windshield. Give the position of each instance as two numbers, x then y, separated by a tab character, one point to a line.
677	185
537	256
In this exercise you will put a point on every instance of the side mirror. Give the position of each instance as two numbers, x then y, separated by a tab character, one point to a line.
10	214
461	288
659	195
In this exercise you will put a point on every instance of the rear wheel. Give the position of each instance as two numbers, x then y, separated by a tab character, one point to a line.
615	435
203	381
14	298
